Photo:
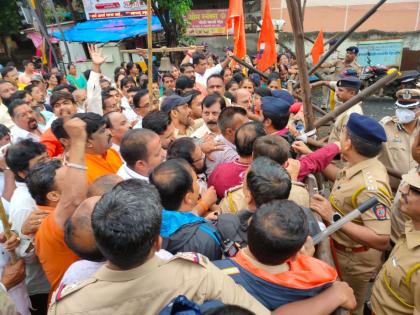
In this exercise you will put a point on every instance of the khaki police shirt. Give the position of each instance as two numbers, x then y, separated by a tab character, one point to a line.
404	257
396	152
340	65
342	120
234	199
354	185
148	288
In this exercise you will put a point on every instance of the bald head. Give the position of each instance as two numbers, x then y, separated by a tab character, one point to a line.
243	98
103	184
78	233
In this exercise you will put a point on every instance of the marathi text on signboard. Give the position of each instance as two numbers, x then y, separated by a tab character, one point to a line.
380	52
104	9
206	22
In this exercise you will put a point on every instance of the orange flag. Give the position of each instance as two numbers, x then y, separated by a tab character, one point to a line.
318	48
269	56
236	19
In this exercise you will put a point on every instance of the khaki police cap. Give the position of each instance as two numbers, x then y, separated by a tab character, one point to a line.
408	98
412	178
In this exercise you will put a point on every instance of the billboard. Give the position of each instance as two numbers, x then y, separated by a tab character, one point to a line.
105	9
206	22
380	52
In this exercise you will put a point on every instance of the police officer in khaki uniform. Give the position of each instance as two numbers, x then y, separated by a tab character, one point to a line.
401	131
358	244
349	62
126	224
397	288
346	89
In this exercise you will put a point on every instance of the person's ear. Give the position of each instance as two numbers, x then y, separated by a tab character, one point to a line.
189	198
248	197
158	243
53	196
140	166
89	143
267	122
22	174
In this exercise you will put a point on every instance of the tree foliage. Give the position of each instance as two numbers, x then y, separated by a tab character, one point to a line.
10	20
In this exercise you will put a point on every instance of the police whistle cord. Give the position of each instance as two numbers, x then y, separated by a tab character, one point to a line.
371	202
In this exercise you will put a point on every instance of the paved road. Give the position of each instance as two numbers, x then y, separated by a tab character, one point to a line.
379	107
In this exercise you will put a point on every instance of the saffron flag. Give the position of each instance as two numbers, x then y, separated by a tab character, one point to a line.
318	48
236	19
269	56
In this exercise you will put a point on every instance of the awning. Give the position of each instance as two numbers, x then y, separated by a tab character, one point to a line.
108	30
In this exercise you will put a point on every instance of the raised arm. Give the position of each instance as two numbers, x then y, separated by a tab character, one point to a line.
94	98
75	185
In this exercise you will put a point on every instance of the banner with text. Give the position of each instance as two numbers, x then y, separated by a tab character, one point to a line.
105	9
206	22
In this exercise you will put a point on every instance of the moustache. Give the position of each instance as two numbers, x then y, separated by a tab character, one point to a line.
211	122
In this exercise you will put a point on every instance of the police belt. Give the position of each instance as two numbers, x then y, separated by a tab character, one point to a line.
343	248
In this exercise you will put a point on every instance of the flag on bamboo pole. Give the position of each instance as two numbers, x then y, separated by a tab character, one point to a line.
269	56
318	48
236	19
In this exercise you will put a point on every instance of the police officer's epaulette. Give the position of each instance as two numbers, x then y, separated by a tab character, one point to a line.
233	189
195	258
296	183
65	290
387	119
370	182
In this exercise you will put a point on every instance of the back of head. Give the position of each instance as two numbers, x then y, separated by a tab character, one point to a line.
133	146
41	180
93	121
57	128
139	95
226	117
272	146
157	121
173	180
126	223
277	231
182	148
267	181
19	154
4	131
246	135
103	184
184	82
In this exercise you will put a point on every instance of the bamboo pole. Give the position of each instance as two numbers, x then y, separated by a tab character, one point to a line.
243	63
298	34
356	99
161	50
7	231
149	49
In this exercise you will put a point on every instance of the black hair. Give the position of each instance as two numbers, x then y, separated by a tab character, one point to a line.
278	121
14	104
364	147
230	83
182	148
133	146
61	95
4	131
183	82
277	231
60	87
26	62
183	67
246	135
18	95
173	180
127	80
6	71
69	65
230	96
238	76
211	99
19	154
134	89
272	146
167	75
215	76
267	180
157	121
126	223
30	87
41	180
196	57
193	93
57	128
93	122
86	74
225	119
228	310
139	95
263	92
129	65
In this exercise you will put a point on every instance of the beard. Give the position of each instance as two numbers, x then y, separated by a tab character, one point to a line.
32	124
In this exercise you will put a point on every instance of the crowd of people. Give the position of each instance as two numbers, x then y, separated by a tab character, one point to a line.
193	198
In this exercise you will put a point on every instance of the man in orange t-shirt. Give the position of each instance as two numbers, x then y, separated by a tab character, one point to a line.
63	105
51	188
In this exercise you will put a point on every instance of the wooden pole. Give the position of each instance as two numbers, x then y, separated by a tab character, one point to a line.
149	50
243	63
356	99
7	231
294	13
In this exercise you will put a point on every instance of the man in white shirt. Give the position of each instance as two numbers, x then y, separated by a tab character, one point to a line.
26	126
128	90
142	151
202	72
6	91
118	124
141	106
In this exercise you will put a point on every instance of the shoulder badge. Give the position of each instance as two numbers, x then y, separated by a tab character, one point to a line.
65	290
370	181
195	258
234	188
380	212
296	183
230	271
387	120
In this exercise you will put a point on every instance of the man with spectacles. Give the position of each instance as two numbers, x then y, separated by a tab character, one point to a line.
401	130
26	126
